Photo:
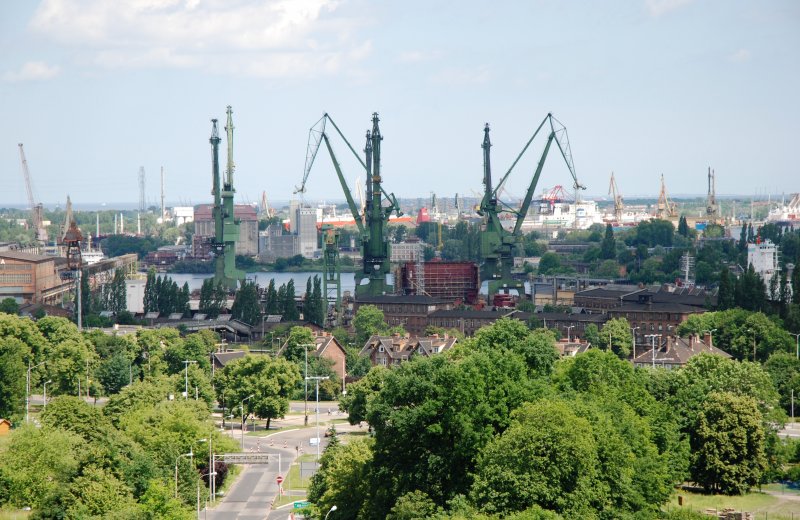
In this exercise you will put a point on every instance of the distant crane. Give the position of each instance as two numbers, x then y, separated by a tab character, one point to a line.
371	222
614	192
497	244
712	209
37	209
665	208
266	210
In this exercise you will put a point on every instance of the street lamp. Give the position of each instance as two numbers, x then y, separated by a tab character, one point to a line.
186	364
797	344
28	390
243	400
318	379
305	382
653	344
190	455
331	510
569	327
633	340
45	392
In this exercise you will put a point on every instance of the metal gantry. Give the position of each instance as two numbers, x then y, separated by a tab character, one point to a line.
371	222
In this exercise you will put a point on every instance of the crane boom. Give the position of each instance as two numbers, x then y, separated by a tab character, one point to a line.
345	188
37	209
614	192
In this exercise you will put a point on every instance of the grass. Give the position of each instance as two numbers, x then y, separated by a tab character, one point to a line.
762	504
6	514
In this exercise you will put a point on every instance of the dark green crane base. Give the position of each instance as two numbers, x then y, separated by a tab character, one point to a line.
331	274
498	244
226	226
375	246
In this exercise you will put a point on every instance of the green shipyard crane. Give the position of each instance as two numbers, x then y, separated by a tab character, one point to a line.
331	273
226	226
497	243
375	246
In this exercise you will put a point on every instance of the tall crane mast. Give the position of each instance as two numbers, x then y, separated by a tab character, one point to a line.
497	244
712	209
371	223
226	227
614	192
665	208
37	209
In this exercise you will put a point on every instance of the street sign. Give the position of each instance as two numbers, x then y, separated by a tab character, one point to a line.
279	479
300	504
246	458
313	441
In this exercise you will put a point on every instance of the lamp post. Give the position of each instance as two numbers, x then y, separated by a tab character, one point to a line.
569	327
190	455
305	382
331	510
653	345
243	416
186	364
318	379
28	390
633	341
45	392
797	344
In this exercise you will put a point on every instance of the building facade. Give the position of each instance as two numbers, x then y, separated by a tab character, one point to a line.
29	278
409	312
248	228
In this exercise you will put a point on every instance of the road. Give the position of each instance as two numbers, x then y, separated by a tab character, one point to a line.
250	498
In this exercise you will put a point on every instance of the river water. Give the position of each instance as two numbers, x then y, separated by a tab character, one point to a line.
262	279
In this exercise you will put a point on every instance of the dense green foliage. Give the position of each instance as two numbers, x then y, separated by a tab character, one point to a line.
162	295
246	306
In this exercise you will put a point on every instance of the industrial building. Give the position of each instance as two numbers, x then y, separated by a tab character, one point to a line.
204	230
30	278
306	222
763	256
273	244
410	312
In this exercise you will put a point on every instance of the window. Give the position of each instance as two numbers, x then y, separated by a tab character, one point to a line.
380	349
14	278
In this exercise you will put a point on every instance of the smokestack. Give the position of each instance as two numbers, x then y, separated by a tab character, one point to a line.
121	224
163	215
115	223
97	230
138	224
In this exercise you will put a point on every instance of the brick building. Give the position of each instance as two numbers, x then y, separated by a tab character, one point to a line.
204	229
393	350
409	312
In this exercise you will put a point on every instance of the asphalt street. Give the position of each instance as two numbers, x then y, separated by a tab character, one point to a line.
252	495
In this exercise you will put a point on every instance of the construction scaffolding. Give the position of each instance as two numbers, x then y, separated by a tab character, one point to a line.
454	281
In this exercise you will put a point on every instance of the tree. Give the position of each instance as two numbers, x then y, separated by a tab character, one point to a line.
272	304
592	334
414	505
13	372
246	306
549	263
287	302
269	381
727	294
69	355
784	368
368	321
114	373
608	247
683	227
537	348
298	343
449	410
548	457
343	478
616	335
728	444
359	394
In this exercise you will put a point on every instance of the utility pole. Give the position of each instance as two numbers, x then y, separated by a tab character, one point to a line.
28	390
317	379
305	383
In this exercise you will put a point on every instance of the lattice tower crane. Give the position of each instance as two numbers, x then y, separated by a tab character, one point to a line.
37	209
665	207
618	204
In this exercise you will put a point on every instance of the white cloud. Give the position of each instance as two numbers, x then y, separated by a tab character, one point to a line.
33	71
740	56
660	7
272	38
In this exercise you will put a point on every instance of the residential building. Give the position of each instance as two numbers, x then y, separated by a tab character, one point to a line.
671	352
395	349
326	346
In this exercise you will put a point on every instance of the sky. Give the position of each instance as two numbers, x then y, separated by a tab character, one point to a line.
96	89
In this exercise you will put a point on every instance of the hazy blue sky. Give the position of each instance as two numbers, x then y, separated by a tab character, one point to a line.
97	88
